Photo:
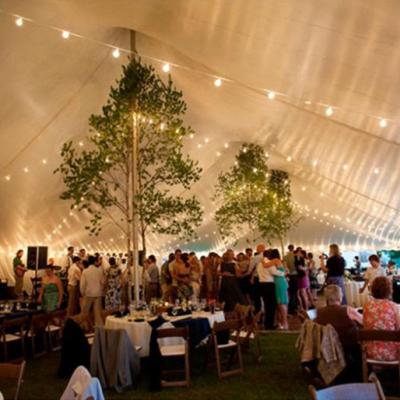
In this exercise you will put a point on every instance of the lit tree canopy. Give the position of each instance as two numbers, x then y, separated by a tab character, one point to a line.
254	197
98	178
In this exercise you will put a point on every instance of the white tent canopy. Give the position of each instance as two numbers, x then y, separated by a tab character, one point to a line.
313	54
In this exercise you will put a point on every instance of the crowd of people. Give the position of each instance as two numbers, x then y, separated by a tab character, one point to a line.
263	278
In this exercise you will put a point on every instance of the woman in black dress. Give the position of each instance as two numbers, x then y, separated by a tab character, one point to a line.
230	292
334	267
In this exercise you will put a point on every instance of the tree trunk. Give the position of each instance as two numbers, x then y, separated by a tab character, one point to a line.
143	235
282	246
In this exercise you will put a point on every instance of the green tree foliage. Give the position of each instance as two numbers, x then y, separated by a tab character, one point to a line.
98	178
255	197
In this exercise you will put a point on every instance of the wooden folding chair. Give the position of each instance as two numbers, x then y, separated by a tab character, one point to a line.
55	326
353	391
175	350
13	330
365	336
249	331
37	333
233	346
12	372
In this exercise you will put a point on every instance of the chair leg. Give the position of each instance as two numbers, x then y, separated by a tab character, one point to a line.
364	365
217	360
5	350
240	358
187	367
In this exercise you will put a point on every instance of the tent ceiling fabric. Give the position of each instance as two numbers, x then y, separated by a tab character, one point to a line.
336	53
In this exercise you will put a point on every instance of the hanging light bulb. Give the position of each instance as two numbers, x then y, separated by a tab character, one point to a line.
329	111
383	123
116	53
255	170
218	82
303	188
289	158
218	154
7	177
345	167
226	145
19	21
26	169
80	144
315	163
44	161
376	171
65	34
191	136
271	95
206	140
166	67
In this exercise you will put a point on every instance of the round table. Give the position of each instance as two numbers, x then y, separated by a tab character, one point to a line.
139	332
353	296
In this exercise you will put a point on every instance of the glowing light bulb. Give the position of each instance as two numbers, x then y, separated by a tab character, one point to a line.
315	163
218	82
244	150
199	146
206	140
289	159
255	170
116	53
19	21
329	111
345	167
218	154
166	67
376	171
7	177
226	145
44	161
271	95
26	169
191	136
65	34
266	155
162	126
383	123
80	144
303	188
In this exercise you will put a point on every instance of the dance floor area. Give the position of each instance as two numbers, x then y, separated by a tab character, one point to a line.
278	376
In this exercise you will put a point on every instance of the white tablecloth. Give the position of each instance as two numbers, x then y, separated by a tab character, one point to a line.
353	296
140	332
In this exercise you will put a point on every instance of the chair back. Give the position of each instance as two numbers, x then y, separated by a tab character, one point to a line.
230	325
368	335
39	323
173	332
14	324
13	372
57	317
353	391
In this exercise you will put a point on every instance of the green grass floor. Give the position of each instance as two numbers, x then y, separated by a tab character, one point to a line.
278	376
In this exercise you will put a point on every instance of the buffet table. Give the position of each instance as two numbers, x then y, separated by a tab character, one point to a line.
353	296
139	331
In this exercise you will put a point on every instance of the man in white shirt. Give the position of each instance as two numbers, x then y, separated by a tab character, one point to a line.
254	280
67	260
373	271
91	286
74	277
267	289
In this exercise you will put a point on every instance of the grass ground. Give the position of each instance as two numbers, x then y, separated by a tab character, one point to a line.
277	377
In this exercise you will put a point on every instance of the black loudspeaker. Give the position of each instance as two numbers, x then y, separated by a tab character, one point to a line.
36	257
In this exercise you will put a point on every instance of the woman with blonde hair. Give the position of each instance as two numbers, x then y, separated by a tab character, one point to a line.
334	267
